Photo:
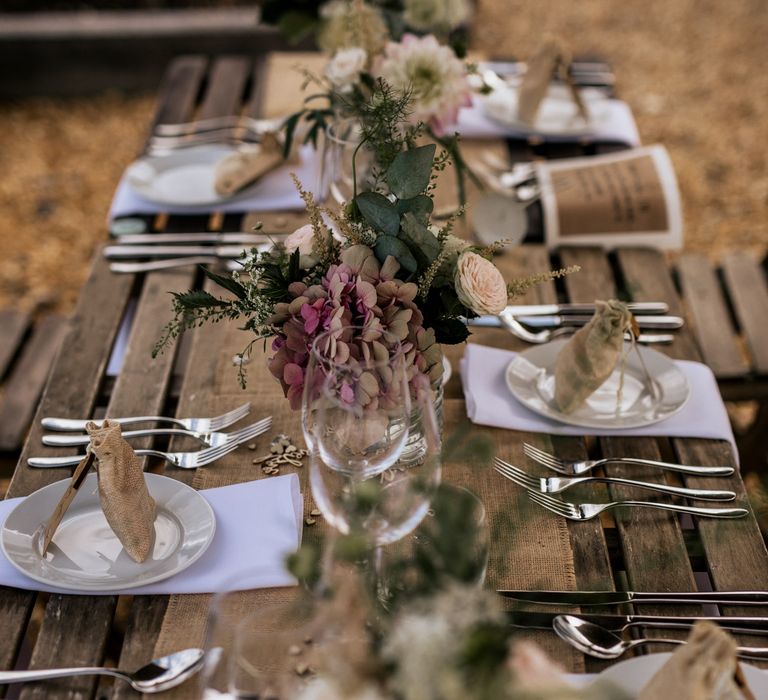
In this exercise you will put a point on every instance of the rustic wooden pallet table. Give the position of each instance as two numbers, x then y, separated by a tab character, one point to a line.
639	549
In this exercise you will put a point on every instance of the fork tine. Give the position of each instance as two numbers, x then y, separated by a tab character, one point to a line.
252	431
226	419
554	502
517	475
513	477
533	496
243	431
546	459
532	451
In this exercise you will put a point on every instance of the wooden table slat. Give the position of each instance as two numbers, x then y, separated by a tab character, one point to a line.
179	90
13	325
711	320
140	390
26	382
225	86
647	277
747	288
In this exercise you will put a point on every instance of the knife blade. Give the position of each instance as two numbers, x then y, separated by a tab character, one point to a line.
123	252
618	623
654	322
620	597
81	470
191	238
642	307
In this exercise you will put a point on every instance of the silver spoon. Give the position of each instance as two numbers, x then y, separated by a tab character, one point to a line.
601	643
158	675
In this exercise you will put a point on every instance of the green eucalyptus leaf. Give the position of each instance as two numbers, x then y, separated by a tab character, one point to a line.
450	331
228	283
419	239
389	245
409	173
379	212
420	206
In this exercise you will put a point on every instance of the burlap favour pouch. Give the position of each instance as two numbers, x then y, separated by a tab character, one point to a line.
551	57
125	499
590	356
704	668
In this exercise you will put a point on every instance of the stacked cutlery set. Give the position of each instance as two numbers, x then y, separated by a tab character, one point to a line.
602	635
146	252
205	430
538	324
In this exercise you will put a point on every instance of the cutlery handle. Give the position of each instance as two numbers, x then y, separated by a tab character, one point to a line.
74	440
154	265
46	673
71	425
742	652
692	510
53	462
702	494
682	468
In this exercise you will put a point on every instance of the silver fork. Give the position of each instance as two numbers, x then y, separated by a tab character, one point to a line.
556	484
216	123
544	336
212	439
587	511
183	460
574	467
203	425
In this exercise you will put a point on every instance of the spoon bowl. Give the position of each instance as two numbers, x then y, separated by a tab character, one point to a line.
594	640
158	675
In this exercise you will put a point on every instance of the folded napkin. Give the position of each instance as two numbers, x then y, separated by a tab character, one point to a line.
257	524
615	124
273	192
489	402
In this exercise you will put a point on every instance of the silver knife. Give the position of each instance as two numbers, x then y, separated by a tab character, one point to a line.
618	623
123	252
655	322
620	597
190	238
642	307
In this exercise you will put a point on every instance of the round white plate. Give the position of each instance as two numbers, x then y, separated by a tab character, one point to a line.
86	555
182	177
633	674
531	379
557	114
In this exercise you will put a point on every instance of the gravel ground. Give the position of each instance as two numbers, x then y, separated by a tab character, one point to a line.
692	71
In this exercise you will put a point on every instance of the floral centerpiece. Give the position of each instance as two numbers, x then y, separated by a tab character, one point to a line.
378	264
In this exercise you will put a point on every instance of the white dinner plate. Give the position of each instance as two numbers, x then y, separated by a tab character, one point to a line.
633	674
557	114
531	379
86	555
183	177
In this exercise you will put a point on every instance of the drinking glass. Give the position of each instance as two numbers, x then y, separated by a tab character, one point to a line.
256	650
343	161
358	419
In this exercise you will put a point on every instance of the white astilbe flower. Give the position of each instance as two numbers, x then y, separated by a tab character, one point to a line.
435	15
436	78
427	639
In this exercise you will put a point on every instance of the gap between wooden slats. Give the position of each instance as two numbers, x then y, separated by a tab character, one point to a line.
13	325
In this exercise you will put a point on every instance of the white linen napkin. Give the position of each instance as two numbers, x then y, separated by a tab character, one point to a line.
489	402
616	124
257	524
273	192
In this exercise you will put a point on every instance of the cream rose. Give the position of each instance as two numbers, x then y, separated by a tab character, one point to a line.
344	69
479	284
303	240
